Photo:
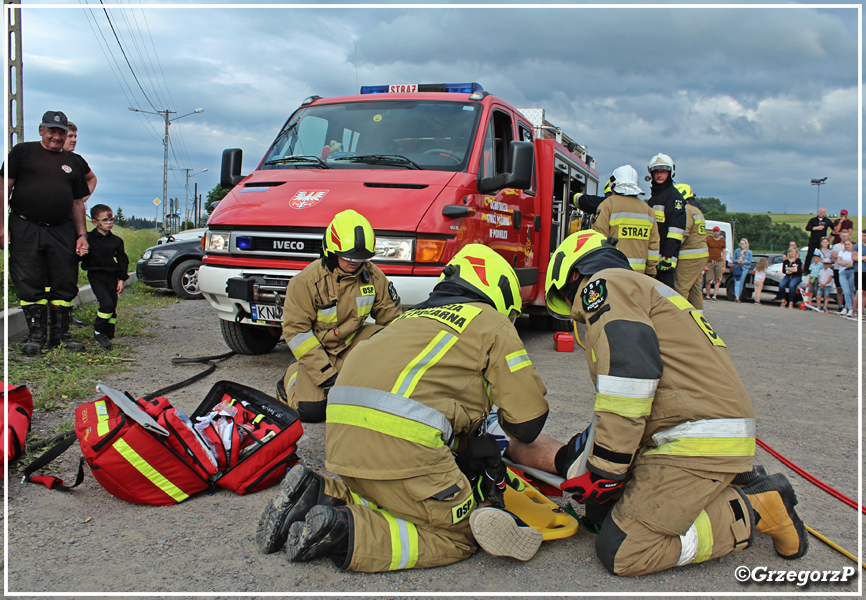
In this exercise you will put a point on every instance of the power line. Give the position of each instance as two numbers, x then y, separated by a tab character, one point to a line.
126	57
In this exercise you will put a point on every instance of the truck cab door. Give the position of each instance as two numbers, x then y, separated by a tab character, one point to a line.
507	215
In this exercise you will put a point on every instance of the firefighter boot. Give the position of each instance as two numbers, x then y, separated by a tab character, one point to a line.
502	533
773	500
300	490
36	316
58	329
325	532
744	479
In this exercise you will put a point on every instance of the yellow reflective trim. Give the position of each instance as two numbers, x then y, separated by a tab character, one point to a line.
143	467
404	542
101	418
592	350
330	317
351	337
305	346
675	236
733	446
25	303
639	267
518	360
411	375
622	406
705	537
103	315
291	381
376	420
680	302
62	303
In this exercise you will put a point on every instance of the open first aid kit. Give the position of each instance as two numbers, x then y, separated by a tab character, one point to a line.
149	452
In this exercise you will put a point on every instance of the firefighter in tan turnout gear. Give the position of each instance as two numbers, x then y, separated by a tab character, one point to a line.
325	311
693	252
664	445
630	220
404	501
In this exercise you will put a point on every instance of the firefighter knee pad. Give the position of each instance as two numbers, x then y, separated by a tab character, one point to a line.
743	525
312	412
609	541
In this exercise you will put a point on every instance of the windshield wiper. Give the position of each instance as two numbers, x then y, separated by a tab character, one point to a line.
297	159
383	159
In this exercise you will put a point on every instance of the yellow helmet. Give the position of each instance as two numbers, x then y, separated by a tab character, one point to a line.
350	235
685	190
480	269
573	249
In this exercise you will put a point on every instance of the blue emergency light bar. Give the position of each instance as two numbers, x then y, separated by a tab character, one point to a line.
448	88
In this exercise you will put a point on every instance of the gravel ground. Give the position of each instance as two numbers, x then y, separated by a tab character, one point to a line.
801	369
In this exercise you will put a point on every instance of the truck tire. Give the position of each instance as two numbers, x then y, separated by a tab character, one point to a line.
184	280
249	339
730	292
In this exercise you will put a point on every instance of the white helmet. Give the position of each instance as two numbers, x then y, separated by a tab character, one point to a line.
625	181
662	161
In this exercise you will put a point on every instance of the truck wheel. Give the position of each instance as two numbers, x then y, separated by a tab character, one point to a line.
249	339
184	280
729	290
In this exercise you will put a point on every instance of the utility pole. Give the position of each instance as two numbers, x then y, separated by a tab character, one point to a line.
186	212
13	64
165	114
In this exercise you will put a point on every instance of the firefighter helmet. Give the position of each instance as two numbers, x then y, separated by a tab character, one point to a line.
481	270
685	190
573	249
662	161
625	181
350	236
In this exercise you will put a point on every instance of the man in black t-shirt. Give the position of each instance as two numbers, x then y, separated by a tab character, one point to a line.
47	234
817	227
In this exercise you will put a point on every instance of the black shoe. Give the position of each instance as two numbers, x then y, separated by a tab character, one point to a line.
75	322
325	532
103	340
281	390
301	489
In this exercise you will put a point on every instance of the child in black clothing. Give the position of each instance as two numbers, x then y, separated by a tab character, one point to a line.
106	264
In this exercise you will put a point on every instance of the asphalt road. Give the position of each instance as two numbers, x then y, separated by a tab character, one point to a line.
801	370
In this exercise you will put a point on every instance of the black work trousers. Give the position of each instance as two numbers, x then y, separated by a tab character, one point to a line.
104	286
41	257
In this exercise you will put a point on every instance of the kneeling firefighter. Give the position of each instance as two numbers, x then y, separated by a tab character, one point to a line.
405	500
657	463
325	311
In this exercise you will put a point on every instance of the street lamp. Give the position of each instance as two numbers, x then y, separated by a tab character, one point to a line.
165	114
819	183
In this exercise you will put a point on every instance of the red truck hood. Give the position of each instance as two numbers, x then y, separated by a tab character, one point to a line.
391	199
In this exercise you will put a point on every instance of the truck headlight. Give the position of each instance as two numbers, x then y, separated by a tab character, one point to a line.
217	241
400	249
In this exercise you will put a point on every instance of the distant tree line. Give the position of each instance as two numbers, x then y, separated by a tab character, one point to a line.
759	229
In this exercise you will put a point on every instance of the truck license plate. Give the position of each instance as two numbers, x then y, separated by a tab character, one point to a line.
267	312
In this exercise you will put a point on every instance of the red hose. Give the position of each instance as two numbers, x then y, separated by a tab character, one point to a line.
810	478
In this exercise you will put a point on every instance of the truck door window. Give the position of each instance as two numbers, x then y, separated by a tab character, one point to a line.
494	159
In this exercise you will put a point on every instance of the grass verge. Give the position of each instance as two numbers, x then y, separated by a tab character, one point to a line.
60	379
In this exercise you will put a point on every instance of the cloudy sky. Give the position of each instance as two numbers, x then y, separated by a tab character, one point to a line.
752	103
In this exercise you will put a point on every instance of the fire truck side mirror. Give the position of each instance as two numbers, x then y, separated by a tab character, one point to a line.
230	174
520	158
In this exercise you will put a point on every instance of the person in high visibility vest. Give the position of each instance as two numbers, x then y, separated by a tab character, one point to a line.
325	312
657	462
693	254
418	388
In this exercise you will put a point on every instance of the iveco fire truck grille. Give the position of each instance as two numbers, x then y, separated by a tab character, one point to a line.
286	245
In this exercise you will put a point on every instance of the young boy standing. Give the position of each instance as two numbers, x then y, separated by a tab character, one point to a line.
106	264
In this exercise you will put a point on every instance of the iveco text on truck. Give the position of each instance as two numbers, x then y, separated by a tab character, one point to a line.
432	167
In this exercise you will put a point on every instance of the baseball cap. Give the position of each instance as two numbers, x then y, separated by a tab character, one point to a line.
717	228
55	118
843	212
826	261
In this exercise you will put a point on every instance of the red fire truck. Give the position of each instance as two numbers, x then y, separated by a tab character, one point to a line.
432	167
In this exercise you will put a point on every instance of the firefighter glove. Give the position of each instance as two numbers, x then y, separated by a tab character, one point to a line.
482	464
590	488
665	263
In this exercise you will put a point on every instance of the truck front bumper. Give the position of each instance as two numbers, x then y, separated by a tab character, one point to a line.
213	282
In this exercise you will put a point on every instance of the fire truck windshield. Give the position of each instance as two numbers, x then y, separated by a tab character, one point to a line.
382	134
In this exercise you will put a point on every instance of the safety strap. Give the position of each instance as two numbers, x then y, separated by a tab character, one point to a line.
54	483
